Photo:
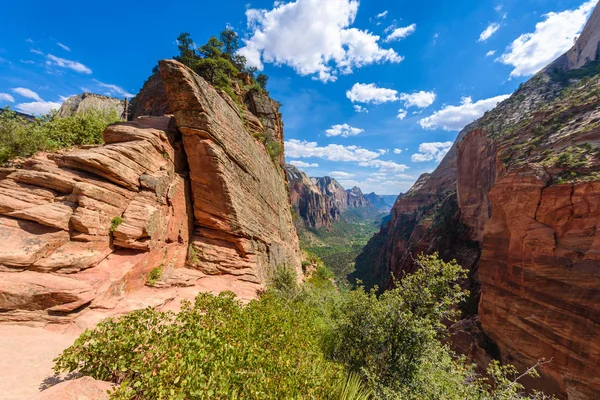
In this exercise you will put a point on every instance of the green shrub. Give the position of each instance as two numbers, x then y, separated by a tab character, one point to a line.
274	149
214	349
21	138
284	281
154	275
114	223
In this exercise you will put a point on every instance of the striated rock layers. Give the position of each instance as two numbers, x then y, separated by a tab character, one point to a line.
90	101
193	194
316	209
321	201
242	213
517	201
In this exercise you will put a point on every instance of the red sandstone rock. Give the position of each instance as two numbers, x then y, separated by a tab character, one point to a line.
85	388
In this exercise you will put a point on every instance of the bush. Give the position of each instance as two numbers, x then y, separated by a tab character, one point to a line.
309	342
21	138
154	276
214	349
114	223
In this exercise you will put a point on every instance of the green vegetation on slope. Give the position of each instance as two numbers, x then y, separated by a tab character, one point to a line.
22	138
309	342
339	245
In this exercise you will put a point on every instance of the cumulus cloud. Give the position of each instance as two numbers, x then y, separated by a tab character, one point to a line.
302	164
454	118
360	109
488	32
418	99
383	151
401	33
313	37
385	167
27	93
340	174
530	52
6	97
490	53
397	151
36	51
382	14
295	148
64	63
38	107
115	90
431	151
401	114
343	130
64	47
370	93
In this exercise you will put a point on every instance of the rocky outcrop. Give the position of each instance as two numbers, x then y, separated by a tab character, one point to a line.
89	101
151	100
315	209
332	189
378	202
356	198
84	388
242	213
516	202
194	195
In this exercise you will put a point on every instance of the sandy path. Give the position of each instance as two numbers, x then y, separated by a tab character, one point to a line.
26	356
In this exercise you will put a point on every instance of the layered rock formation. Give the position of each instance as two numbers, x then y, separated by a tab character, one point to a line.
321	201
516	201
242	213
194	195
89	101
378	202
356	198
315	209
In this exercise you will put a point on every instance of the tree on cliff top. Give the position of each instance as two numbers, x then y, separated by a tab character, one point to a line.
217	61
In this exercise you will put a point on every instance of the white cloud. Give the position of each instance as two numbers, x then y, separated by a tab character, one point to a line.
419	99
360	109
490	53
397	151
401	33
6	97
313	37
488	32
295	148
343	130
431	151
370	93
64	47
64	63
302	164
27	61
36	51
382	14
340	174
115	90
553	36
27	93
454	118
401	114
385	167
383	151
38	107
28	40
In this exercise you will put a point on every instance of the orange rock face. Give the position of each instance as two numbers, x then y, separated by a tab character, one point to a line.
540	277
193	195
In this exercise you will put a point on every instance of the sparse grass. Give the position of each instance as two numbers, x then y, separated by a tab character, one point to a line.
114	223
154	275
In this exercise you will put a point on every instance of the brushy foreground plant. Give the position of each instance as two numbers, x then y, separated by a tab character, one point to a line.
23	138
296	342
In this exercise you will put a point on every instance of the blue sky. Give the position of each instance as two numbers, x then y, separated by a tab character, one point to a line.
373	93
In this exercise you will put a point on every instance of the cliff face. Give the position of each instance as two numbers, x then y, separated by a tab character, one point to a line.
378	202
89	101
321	201
516	201
242	213
315	209
356	198
194	195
